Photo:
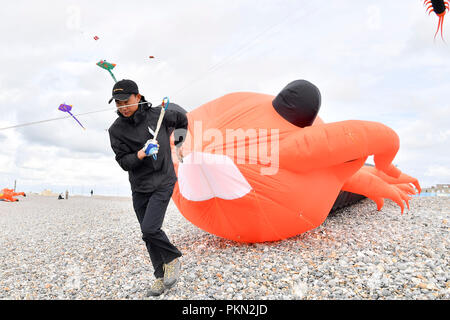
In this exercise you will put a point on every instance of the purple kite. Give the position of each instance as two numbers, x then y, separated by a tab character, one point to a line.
66	108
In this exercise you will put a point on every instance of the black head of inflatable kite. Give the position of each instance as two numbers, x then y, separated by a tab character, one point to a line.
299	103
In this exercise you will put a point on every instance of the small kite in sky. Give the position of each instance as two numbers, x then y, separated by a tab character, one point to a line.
151	57
108	67
66	108
440	8
96	38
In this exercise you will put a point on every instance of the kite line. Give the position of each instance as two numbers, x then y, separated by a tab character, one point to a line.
69	116
228	59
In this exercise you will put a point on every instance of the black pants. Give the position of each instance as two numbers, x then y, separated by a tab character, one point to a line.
150	210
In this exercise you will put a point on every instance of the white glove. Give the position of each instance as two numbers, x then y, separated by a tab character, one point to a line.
151	147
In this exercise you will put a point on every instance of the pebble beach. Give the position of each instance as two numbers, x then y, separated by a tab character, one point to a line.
90	248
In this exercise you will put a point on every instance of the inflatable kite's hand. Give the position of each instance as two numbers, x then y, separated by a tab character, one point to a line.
151	147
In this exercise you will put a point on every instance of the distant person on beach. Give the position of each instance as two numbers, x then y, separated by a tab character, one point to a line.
67	194
152	180
92	192
60	197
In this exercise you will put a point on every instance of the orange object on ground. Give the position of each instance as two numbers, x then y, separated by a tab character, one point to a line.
9	194
262	168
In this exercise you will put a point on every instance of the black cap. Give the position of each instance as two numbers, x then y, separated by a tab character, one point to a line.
123	89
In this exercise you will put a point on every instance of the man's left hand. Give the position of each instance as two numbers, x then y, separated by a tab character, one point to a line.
179	151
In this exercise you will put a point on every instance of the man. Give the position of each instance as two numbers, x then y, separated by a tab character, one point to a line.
152	180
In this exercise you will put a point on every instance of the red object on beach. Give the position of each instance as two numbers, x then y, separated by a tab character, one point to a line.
241	183
9	194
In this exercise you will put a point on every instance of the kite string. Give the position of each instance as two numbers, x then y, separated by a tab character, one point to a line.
241	50
212	69
65	117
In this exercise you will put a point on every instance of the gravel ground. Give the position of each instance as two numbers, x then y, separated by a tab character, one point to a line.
91	248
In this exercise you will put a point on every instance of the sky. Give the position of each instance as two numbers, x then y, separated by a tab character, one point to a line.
372	60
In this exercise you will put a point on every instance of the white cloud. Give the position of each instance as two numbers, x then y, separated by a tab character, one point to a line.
435	174
441	171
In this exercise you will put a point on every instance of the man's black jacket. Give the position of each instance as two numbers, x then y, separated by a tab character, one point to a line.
128	136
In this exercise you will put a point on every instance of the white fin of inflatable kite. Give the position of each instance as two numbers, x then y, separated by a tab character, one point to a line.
203	176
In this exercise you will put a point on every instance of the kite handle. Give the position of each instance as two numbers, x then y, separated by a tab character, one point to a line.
165	103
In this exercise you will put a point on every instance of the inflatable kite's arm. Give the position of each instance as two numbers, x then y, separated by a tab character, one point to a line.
336	143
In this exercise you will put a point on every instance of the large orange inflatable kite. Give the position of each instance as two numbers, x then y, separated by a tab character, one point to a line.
9	194
263	168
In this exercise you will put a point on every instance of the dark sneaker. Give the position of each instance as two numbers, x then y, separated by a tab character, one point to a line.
157	288
171	272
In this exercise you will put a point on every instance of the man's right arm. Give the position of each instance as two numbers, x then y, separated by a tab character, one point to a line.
127	159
